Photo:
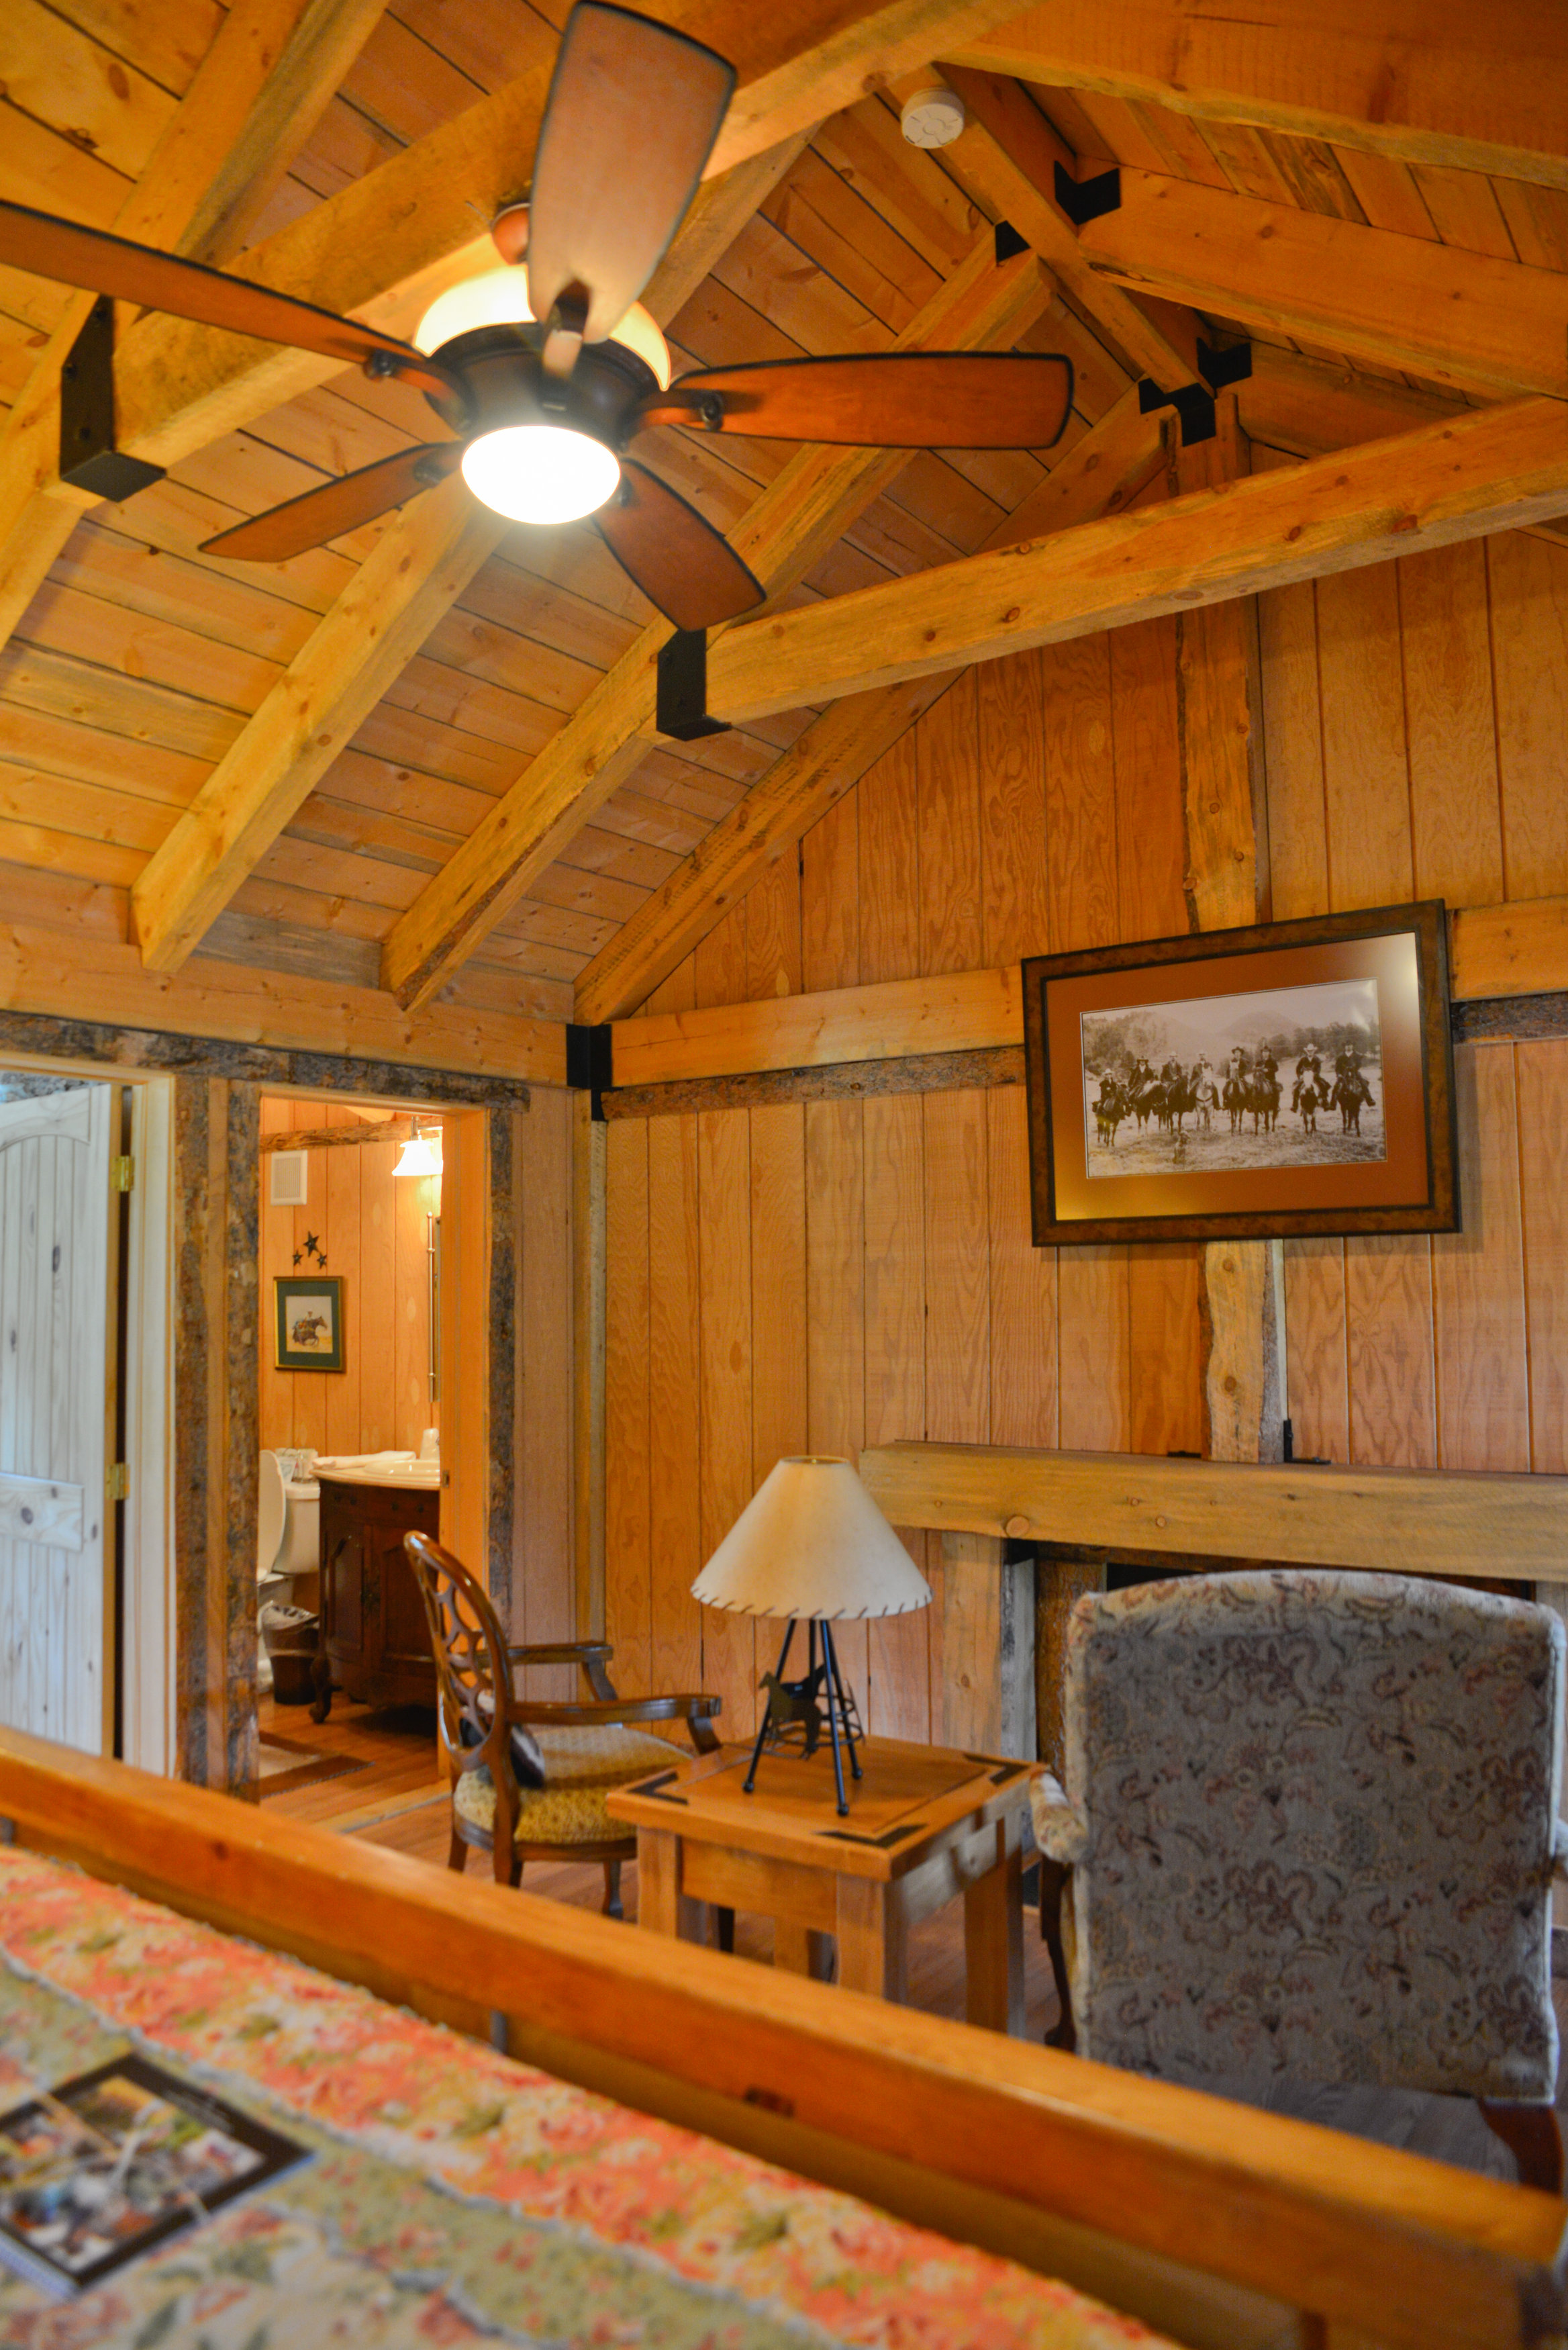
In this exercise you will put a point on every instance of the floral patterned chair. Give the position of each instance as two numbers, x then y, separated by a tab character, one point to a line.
529	1780
1308	1836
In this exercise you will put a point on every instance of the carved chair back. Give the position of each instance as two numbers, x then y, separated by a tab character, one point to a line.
472	1673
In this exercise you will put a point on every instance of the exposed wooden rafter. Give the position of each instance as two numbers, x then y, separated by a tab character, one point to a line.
424	559
253	101
1488	469
1431	81
797	518
1455	317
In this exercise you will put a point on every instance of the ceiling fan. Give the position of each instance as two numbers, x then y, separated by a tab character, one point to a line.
546	368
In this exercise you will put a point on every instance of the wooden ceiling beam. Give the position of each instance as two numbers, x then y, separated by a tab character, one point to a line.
797	518
1098	474
425	558
252	102
1430	82
1487	470
1005	162
384	247
1455	317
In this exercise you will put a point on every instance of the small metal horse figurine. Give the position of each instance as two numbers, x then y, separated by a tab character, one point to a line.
795	1702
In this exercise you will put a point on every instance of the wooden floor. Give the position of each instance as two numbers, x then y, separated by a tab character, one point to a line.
400	1799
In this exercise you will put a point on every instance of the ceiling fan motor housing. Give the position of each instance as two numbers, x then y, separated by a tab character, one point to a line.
501	381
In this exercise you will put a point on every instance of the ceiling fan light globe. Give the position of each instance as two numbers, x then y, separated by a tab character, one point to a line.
540	473
499	298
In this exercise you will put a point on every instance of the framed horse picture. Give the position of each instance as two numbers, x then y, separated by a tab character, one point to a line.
1290	1078
308	1322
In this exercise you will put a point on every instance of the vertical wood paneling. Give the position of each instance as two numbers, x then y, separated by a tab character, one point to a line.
1317	1390
543	1595
1080	795
628	1594
1455	821
310	1386
773	931
719	963
274	1398
1147	760
834	1293
947	772
725	1319
1367	784
896	1375
1477	1279
779	1285
1388	1315
1023	1285
1543	1089
889	866
674	1412
378	1294
957	1303
341	1171
1529	659
1292	751
1010	714
411	1339
830	899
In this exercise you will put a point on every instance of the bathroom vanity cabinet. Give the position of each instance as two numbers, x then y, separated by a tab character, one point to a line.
375	1641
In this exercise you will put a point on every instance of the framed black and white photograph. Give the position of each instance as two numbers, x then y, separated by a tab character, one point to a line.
1293	1077
309	1317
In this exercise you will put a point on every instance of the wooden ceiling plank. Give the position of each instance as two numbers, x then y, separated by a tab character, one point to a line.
1099	474
1487	470
1452	317
368	646
1006	160
1428	81
790	527
248	107
65	79
423	561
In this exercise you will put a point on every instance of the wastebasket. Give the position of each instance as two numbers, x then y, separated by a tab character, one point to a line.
292	1636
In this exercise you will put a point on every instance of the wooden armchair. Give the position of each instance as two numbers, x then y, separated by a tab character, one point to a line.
529	1780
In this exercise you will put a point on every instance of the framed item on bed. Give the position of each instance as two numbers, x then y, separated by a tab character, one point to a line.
307	1313
1289	1078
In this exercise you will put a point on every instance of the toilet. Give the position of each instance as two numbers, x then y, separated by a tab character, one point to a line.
288	1523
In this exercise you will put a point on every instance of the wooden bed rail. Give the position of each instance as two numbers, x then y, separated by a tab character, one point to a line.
1406	2251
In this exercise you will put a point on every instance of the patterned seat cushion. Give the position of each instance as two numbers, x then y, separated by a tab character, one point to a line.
1311	1822
581	1766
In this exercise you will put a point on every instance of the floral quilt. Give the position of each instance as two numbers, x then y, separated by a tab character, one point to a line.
452	2196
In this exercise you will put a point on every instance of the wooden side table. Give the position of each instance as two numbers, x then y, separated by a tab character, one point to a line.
925	1825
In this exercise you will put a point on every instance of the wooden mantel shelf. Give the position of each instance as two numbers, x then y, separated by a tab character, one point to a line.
1413	1520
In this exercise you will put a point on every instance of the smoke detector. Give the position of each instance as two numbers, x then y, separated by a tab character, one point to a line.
932	117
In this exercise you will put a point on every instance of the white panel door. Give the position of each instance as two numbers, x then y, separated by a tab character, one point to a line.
55	1653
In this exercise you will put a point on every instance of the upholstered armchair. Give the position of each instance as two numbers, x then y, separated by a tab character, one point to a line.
529	1779
1308	1836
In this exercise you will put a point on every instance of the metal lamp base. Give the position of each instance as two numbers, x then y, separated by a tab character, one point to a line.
798	1706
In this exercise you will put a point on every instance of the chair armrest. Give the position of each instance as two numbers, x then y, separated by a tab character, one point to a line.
623	1709
1060	1833
561	1652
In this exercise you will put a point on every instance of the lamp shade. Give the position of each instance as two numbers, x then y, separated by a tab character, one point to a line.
811	1542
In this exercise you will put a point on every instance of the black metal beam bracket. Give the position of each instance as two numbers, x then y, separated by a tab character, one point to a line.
1192	403
1084	200
89	458
1008	244
1221	369
681	704
590	1061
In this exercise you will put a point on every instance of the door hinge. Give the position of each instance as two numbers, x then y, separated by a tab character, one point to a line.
117	1483
122	1174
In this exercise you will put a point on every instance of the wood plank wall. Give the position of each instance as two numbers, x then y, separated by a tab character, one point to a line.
1416	719
835	1274
832	1273
373	1232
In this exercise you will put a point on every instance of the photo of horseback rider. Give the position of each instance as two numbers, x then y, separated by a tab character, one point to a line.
1220	1099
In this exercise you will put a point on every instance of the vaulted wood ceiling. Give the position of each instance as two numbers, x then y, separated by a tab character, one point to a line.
1380	205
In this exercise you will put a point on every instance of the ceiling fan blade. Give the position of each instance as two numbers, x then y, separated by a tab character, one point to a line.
338	506
679	562
633	111
898	400
101	263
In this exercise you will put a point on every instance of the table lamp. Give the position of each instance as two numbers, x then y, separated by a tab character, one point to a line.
811	1543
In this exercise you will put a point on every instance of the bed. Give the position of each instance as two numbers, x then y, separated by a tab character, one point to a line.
528	2124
